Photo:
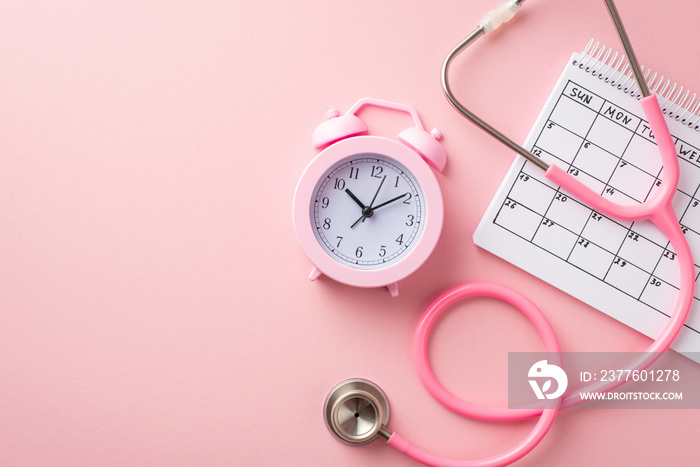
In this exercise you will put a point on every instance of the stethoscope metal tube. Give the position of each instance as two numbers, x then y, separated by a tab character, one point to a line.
478	32
629	51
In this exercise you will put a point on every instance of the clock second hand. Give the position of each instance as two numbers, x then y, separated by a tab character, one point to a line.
375	195
366	210
362	218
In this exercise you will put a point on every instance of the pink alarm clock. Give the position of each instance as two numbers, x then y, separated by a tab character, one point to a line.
368	210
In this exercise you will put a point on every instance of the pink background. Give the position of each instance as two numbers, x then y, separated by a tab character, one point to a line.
155	308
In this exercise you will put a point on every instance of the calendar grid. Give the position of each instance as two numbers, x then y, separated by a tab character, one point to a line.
630	257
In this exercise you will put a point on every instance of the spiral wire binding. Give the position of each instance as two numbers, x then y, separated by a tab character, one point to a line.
614	69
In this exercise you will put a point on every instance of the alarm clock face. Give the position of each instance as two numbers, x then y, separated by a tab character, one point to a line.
368	211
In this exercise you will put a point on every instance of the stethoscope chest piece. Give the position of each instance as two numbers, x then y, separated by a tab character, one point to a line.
355	411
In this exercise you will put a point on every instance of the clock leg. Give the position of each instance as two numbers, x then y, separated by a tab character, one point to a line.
315	274
393	289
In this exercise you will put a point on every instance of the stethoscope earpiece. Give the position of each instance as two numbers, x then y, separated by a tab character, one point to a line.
356	411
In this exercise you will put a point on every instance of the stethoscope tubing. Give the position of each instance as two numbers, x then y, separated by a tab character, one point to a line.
659	211
462	407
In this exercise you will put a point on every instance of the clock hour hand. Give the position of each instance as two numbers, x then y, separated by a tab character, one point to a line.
366	210
389	202
354	198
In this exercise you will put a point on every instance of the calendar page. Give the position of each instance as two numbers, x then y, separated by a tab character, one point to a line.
598	133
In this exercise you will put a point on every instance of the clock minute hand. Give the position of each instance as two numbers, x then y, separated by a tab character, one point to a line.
389	202
368	212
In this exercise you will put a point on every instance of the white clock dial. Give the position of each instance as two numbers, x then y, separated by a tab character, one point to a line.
368	211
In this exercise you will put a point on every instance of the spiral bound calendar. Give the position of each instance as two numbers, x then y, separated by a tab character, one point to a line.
593	126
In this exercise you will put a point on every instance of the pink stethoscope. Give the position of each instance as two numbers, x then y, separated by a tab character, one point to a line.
356	411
